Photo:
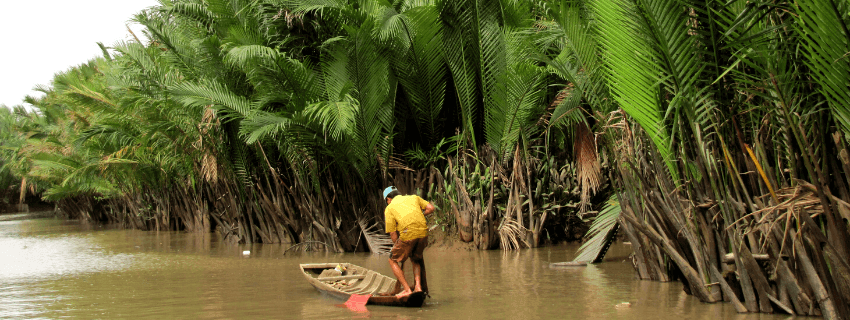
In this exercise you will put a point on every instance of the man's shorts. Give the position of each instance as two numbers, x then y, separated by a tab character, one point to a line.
412	249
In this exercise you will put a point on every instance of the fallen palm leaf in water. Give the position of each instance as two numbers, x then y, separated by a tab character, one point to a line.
601	233
378	241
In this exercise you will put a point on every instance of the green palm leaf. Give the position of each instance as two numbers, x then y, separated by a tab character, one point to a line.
825	24
634	70
196	11
248	56
421	68
264	125
600	233
514	99
462	39
339	118
200	95
357	82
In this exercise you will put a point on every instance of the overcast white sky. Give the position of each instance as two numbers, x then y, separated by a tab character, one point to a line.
42	37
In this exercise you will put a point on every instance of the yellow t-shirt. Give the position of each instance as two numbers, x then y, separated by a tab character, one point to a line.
404	214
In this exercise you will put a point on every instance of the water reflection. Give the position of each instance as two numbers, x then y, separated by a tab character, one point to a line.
31	256
56	269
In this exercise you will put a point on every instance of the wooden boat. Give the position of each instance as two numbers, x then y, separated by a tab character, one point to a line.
357	280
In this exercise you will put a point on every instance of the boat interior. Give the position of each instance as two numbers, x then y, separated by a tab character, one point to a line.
352	279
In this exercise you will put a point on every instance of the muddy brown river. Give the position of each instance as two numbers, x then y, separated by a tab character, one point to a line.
51	269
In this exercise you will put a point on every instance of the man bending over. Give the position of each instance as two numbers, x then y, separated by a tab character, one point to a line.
408	229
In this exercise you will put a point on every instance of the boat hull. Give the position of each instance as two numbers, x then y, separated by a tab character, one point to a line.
358	280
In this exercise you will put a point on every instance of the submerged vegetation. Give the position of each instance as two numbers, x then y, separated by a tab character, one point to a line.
719	128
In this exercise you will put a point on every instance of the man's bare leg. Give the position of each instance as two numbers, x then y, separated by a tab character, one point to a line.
417	276
399	274
421	282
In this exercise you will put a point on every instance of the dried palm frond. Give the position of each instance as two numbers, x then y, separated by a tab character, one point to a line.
617	120
208	119
209	168
394	163
23	193
791	200
587	165
561	107
379	242
209	162
512	235
562	95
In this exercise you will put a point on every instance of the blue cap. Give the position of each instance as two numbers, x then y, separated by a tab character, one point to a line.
388	190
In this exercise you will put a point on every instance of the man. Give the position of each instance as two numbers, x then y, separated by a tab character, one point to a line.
408	229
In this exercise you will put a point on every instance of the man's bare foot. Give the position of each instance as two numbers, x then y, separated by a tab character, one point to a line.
404	293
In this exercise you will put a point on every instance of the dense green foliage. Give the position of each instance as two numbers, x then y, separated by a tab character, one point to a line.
280	120
314	103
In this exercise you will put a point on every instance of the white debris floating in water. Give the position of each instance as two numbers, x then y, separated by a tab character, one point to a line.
246	252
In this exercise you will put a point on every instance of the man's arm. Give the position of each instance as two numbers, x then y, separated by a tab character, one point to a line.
394	236
390	226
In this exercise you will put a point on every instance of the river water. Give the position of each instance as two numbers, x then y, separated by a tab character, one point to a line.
52	268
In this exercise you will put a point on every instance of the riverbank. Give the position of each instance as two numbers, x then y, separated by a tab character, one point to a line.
440	239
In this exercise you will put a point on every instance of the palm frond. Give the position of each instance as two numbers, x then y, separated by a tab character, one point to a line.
567	110
421	68
195	11
330	9
579	58
354	72
200	95
512	235
601	233
337	117
247	56
176	39
262	125
588	168
634	71
461	37
825	26
379	242
523	99
515	13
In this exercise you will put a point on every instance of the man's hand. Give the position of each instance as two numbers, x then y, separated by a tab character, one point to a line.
428	209
394	236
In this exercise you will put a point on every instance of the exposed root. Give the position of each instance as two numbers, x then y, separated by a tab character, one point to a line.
308	246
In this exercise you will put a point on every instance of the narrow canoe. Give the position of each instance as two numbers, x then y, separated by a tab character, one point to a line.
357	280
